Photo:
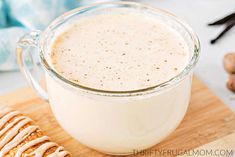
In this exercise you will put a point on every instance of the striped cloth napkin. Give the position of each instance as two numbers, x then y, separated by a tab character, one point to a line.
18	17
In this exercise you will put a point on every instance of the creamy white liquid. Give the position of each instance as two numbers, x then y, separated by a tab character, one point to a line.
121	51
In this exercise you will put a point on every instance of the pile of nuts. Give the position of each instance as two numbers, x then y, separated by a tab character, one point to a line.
229	66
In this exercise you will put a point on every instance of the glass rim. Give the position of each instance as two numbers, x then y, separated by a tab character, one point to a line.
152	89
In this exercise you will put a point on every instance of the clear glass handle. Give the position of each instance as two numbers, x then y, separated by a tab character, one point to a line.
27	58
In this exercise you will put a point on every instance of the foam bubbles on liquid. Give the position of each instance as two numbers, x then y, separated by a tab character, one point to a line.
119	52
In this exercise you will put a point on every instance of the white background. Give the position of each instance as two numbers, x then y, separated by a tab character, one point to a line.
198	13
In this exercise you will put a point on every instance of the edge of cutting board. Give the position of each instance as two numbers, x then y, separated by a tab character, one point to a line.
207	119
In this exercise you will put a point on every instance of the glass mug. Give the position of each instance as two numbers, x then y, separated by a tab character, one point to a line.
113	122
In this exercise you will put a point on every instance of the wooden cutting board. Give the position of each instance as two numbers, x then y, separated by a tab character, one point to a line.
223	147
207	119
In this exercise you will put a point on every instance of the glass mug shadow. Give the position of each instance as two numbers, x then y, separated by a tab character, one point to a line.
113	122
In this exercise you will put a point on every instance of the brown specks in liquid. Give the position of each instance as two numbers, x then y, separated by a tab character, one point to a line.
115	51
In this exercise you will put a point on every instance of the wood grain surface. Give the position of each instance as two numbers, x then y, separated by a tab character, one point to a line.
222	147
207	119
